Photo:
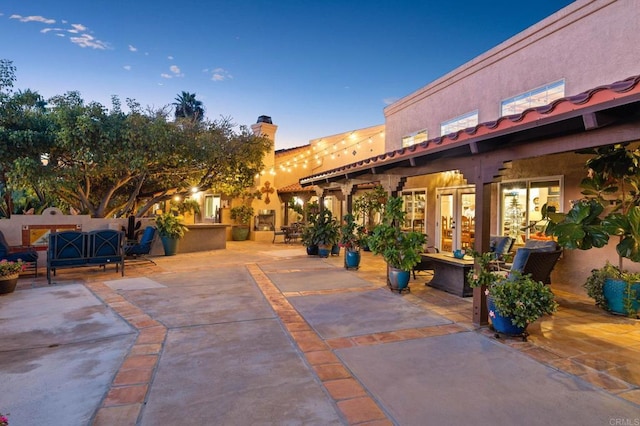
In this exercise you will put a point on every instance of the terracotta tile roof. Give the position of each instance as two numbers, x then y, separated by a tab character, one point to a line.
294	187
615	94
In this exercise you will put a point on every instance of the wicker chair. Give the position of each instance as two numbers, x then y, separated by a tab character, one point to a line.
535	261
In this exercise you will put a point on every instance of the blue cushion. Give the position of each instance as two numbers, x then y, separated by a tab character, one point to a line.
25	256
520	259
542	245
147	236
502	245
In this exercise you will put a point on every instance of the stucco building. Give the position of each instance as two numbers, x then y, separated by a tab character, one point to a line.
485	146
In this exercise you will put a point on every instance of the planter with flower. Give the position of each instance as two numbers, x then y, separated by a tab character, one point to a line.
9	273
350	239
171	229
611	207
513	301
401	250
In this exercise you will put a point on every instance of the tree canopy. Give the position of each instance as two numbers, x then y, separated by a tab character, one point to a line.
109	163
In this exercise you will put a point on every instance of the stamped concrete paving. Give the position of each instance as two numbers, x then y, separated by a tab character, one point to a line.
209	338
60	349
363	312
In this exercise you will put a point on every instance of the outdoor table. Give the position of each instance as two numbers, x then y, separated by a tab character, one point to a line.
450	274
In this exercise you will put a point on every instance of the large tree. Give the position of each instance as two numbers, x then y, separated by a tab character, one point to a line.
188	107
109	163
25	132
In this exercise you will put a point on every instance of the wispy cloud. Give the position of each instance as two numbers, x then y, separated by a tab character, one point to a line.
33	18
176	71
127	67
86	40
218	74
389	101
132	48
165	75
170	58
78	28
80	33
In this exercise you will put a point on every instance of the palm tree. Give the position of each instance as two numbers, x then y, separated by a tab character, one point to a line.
187	106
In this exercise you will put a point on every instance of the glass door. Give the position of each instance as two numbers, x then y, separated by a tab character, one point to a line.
455	224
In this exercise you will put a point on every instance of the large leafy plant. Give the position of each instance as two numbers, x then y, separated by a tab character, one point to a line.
610	207
325	229
170	226
242	214
401	250
350	233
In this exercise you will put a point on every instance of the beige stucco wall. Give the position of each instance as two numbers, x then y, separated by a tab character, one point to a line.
588	43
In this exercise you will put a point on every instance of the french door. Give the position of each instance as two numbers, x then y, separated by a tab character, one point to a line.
455	220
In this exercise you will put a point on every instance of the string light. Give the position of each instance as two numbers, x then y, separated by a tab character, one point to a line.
321	149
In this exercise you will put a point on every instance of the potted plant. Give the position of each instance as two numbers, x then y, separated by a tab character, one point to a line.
366	207
350	239
242	215
325	232
171	229
610	207
9	273
308	232
401	250
513	301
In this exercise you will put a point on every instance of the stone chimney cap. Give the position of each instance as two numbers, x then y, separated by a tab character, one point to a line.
264	119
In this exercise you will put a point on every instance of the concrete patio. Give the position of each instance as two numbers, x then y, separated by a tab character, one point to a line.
260	333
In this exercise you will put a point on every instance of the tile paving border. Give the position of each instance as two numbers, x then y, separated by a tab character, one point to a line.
130	386
355	404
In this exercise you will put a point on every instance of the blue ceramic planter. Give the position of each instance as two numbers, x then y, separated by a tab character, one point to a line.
398	279
324	250
615	291
502	324
351	259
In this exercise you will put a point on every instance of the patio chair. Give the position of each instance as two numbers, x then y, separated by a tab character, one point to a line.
537	260
141	249
425	264
26	254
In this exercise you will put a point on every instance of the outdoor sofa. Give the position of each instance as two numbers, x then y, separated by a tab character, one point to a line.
72	249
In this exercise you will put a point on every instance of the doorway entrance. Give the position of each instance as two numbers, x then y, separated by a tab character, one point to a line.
455	223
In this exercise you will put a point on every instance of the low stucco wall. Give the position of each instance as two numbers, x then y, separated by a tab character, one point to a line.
201	237
204	237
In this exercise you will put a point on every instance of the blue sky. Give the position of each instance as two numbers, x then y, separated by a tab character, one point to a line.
318	68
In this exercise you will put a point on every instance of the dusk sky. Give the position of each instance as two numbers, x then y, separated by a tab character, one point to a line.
318	68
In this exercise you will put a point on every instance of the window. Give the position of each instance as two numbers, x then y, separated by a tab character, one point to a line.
521	205
537	97
464	121
414	138
414	202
